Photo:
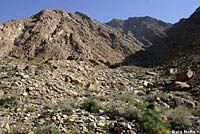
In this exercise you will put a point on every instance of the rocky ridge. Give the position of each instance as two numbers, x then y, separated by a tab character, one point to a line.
147	30
54	34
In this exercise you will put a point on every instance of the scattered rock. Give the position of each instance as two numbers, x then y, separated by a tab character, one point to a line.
148	84
1	94
91	87
73	80
151	73
71	92
172	71
182	86
101	97
101	123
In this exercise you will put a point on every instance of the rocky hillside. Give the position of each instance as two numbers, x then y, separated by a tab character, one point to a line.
184	41
52	80
53	34
147	30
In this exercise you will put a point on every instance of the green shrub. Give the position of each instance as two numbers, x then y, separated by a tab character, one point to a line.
46	129
159	129
196	112
151	121
31	109
19	120
91	105
179	118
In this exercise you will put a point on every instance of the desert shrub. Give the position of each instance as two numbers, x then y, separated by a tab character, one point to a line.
159	129
179	118
19	120
196	112
128	97
30	109
120	86
65	106
70	127
46	129
18	129
10	100
152	123
91	105
120	109
125	106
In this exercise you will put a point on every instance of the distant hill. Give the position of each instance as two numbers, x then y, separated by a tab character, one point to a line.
147	30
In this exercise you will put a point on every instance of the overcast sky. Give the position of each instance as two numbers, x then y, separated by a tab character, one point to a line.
102	10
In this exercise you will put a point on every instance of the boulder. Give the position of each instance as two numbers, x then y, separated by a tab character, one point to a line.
148	84
184	76
182	86
1	94
100	96
73	80
172	71
91	87
151	73
71	93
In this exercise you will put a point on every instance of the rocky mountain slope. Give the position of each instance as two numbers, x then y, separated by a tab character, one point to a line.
52	80
184	41
53	34
147	30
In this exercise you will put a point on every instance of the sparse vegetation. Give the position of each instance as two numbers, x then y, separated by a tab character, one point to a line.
196	111
125	107
30	109
120	86
70	129
119	109
11	100
91	105
46	129
180	118
65	106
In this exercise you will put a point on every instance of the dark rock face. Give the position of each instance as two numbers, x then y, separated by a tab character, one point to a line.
184	41
148	30
53	34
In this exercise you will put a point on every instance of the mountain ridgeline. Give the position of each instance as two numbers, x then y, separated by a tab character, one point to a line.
54	34
147	30
184	41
